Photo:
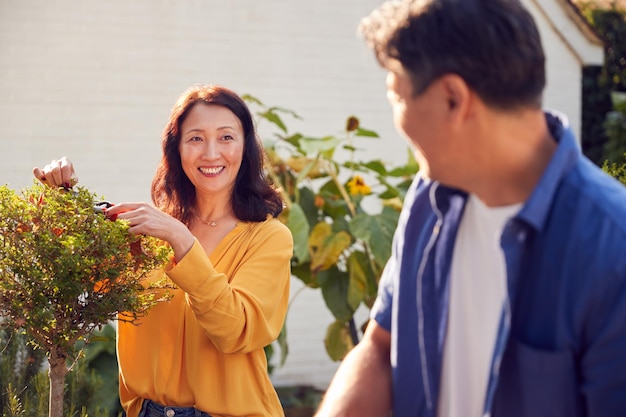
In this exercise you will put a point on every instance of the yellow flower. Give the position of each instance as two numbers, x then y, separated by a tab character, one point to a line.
357	186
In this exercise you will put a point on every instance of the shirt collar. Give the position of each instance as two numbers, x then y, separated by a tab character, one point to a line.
535	210
537	207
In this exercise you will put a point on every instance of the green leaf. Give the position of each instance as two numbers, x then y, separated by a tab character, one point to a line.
282	343
294	140
334	205
299	226
403	171
307	203
358	264
251	99
313	145
364	132
390	192
376	166
340	224
338	341
334	285
376	231
304	274
274	118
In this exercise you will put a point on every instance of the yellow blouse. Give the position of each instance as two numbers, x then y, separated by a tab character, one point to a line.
204	347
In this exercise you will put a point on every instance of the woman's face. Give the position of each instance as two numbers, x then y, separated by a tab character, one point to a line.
211	148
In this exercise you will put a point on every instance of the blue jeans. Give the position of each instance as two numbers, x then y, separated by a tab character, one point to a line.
152	409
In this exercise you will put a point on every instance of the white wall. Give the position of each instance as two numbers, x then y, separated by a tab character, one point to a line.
96	80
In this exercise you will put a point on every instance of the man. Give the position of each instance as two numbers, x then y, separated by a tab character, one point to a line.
506	291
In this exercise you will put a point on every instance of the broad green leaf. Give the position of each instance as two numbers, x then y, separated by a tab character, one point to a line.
358	264
376	231
338	341
334	285
340	224
304	274
307	203
299	227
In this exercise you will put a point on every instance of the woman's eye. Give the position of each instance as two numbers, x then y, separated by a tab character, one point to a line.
227	137
195	139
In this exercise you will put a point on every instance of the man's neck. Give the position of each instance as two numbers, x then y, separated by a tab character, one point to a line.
511	153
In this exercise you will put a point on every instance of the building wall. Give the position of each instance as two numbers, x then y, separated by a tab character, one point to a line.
568	48
95	81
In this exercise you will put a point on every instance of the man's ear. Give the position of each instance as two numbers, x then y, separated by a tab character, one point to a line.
457	94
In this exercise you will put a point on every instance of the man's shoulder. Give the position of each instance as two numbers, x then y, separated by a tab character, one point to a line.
588	215
596	192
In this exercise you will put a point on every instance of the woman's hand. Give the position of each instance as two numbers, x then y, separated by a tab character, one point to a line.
146	219
58	173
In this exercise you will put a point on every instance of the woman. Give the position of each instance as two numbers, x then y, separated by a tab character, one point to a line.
201	353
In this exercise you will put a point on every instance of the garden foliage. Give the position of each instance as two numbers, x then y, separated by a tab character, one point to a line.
342	212
66	270
603	127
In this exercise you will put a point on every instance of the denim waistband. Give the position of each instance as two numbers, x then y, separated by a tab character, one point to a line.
152	409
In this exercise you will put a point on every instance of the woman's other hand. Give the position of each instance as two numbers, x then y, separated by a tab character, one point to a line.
59	173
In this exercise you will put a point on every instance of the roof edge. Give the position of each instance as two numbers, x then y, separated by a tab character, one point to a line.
570	25
573	11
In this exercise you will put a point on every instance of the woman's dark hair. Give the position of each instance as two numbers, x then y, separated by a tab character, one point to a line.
494	45
253	196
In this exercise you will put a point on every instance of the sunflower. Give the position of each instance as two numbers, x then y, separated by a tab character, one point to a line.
357	186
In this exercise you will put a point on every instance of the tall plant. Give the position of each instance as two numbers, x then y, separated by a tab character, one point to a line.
66	270
342	212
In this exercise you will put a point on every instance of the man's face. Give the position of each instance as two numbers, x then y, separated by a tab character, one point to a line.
418	117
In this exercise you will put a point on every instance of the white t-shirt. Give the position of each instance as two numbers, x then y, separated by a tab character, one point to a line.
478	288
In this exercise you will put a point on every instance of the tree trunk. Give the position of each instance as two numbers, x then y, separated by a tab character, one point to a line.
56	374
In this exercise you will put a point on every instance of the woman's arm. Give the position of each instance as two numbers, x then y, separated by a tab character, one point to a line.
241	305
